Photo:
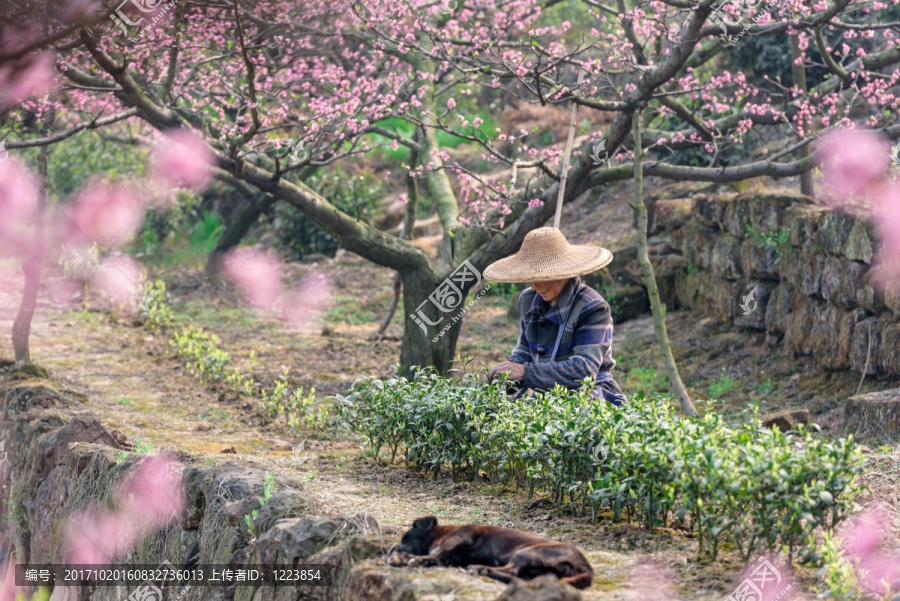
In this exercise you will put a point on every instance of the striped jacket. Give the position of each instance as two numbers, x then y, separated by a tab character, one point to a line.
585	349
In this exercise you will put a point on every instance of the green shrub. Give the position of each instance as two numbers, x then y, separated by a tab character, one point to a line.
749	486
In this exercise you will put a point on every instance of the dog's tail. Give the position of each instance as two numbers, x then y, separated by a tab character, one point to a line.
581	581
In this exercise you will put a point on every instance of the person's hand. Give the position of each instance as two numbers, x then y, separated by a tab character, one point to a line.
516	370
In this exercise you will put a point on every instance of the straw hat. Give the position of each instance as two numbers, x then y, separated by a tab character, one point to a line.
546	255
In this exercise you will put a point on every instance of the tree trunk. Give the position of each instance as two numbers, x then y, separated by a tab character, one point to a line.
240	223
32	261
798	74
430	332
659	310
406	232
244	217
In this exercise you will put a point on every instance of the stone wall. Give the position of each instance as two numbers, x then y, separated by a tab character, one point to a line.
808	265
57	459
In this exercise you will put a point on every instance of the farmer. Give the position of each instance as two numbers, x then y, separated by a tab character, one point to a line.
547	353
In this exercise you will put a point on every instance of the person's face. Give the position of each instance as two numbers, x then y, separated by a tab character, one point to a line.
549	291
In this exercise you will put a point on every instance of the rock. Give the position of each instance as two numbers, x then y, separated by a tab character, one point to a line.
756	317
284	503
860	243
708	211
230	449
542	588
53	447
833	232
725	258
695	242
841	280
737	215
880	410
344	558
800	416
373	580
666	269
291	540
629	303
803	221
668	215
866	345
210	488
315	258
768	212
889	357
803	318
758	262
778	308
783	420
804	271
32	394
824	335
870	294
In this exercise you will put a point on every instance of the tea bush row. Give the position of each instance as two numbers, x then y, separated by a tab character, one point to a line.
203	357
746	485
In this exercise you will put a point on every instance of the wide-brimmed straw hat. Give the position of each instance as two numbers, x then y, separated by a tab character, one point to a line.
546	255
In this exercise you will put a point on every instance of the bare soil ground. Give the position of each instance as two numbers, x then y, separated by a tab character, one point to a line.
136	385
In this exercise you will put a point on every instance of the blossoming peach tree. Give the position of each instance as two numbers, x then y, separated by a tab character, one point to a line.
270	90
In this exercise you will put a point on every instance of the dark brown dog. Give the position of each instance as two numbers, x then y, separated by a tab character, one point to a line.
501	553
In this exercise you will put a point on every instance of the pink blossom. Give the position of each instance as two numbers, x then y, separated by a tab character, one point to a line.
886	218
18	199
851	161
312	296
184	160
119	282
153	495
104	213
862	545
8	588
27	78
97	536
451	103
257	275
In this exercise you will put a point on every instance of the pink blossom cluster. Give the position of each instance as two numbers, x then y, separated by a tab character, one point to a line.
258	275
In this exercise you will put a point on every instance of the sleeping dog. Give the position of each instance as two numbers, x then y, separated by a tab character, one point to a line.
500	553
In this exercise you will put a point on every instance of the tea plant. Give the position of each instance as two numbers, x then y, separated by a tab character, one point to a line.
268	489
837	578
748	486
156	313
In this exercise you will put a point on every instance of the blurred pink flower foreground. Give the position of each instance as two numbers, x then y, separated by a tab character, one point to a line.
150	498
257	274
